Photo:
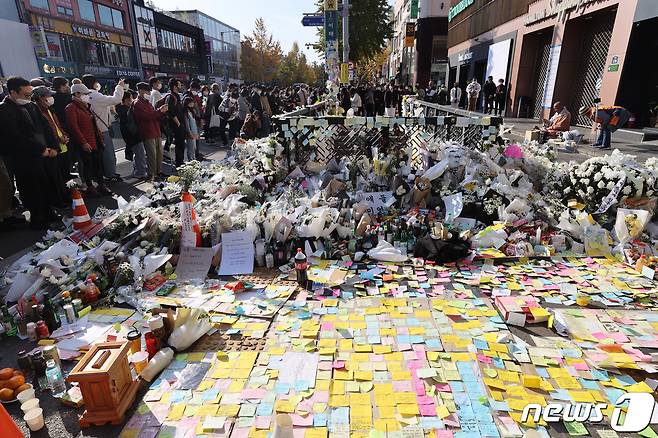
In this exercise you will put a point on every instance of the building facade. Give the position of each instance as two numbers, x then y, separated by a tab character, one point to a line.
75	37
419	45
17	58
169	47
222	43
574	51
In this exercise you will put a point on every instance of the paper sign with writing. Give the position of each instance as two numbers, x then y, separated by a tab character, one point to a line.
237	253
194	263
378	202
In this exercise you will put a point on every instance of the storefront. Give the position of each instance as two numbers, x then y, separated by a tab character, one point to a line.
70	50
574	51
168	47
486	58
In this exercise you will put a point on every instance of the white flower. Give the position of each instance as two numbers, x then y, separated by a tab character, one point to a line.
585	181
567	190
598	176
590	190
627	190
610	185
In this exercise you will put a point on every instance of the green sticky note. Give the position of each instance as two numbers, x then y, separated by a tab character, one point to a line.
143	408
648	432
575	428
84	311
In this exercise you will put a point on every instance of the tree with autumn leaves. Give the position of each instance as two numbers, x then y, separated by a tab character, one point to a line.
263	60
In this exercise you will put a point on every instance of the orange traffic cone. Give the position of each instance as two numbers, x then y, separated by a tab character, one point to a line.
8	426
81	219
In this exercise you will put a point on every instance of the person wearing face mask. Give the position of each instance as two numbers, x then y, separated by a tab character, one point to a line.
24	146
156	86
44	99
100	106
130	132
148	125
191	129
176	118
194	92
234	122
88	139
212	107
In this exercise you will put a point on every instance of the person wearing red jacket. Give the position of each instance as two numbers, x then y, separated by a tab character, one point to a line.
85	134
148	126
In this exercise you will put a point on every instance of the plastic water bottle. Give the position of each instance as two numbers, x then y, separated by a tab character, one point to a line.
55	379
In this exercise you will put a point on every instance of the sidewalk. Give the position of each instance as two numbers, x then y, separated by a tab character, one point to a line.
642	150
16	242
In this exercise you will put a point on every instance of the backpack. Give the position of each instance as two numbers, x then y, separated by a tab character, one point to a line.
131	123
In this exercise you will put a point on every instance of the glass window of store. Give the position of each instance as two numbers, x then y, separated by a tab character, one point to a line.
41	4
110	17
61	10
86	10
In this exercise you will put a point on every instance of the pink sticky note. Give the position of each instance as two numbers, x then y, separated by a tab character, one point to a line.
327	326
298	420
425	399
443	433
581	366
263	422
339	364
250	394
325	365
427	410
402	385
443	387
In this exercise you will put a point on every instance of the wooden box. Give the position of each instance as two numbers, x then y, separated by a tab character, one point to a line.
106	383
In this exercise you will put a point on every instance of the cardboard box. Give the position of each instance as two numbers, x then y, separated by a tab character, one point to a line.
532	135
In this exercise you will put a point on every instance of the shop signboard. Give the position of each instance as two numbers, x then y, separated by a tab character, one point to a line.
68	28
127	73
558	9
49	67
409	34
39	42
458	8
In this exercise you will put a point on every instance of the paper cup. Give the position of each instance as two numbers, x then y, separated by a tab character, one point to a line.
32	403
34	419
140	360
25	395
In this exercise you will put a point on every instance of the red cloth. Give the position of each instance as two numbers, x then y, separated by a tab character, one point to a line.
81	124
147	119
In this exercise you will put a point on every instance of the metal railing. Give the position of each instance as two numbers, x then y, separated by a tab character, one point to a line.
315	110
430	109
321	139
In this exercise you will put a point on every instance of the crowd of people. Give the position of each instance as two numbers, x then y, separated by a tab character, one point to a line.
58	131
368	99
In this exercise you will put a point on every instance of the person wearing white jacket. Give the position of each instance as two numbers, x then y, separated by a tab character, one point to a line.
100	105
473	92
455	95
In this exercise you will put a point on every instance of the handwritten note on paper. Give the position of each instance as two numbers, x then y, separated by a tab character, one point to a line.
237	253
194	263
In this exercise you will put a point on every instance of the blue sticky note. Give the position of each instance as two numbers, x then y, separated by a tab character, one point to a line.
433	343
282	388
481	344
320	420
488	429
301	385
264	409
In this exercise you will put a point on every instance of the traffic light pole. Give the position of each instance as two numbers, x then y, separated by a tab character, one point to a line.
346	31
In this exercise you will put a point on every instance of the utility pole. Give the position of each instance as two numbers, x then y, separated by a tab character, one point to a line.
346	31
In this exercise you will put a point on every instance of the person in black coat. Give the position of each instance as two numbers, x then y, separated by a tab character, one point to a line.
26	134
379	101
489	90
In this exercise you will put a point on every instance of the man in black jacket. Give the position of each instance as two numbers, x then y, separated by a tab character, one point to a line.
489	89
24	146
176	115
62	97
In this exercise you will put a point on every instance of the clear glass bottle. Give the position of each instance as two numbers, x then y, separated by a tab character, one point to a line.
55	379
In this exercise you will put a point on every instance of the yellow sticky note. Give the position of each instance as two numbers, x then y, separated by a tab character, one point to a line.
284	406
176	412
207	410
408	409
532	381
442	411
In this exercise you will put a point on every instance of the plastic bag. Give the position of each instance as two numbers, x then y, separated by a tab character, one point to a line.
494	236
385	252
597	241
